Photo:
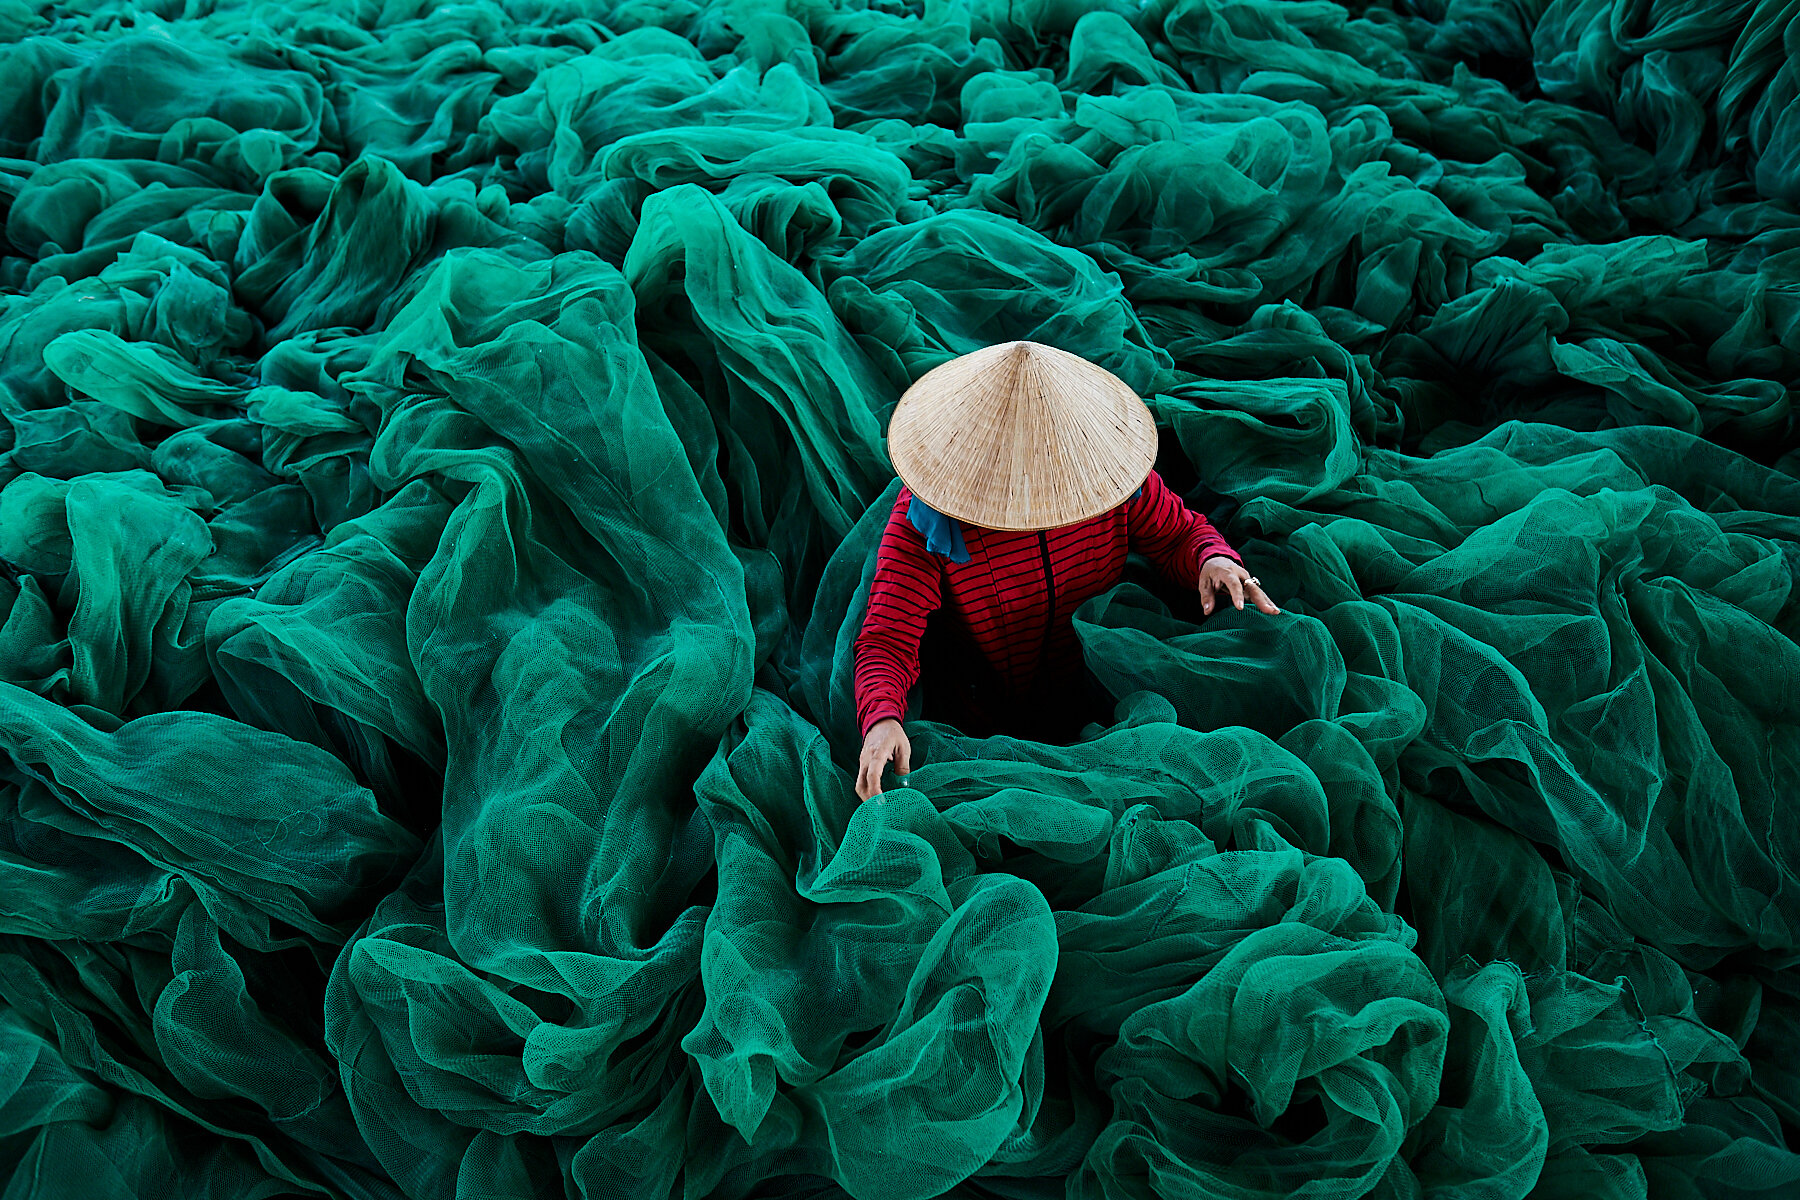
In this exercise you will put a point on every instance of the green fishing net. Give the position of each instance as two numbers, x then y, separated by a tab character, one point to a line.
440	477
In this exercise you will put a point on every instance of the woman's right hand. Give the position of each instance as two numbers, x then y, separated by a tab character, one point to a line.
885	741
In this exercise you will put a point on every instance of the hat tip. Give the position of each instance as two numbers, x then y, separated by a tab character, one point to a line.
1019	350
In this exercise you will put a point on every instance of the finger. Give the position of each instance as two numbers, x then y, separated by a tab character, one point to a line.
903	759
865	783
1236	585
1261	599
1206	593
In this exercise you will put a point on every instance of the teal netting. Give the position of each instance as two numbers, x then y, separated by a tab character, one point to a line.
440	475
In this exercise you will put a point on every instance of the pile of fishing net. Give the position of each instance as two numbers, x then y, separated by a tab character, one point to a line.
440	475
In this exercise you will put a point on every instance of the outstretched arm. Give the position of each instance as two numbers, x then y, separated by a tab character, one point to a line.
906	590
1171	535
1185	547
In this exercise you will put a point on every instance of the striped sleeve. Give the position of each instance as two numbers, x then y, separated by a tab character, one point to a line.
907	588
1172	535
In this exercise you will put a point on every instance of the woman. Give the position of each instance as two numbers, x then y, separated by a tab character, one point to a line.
1027	479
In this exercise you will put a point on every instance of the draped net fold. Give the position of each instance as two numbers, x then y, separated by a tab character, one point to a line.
441	466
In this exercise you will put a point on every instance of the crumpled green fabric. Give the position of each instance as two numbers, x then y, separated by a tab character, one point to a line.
440	473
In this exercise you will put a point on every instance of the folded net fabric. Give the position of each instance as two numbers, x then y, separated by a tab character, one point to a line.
440	476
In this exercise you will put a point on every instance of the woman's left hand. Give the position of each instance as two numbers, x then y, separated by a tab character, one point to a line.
1222	577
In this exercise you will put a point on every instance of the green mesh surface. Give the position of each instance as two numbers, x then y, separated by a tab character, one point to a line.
440	477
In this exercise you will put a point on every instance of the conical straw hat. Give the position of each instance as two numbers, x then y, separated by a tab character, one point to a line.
1021	435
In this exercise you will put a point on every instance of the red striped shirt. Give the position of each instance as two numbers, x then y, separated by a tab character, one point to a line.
1001	594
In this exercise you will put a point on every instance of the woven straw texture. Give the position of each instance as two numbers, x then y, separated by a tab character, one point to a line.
1021	435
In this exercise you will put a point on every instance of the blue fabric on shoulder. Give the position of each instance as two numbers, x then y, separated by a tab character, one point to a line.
943	535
